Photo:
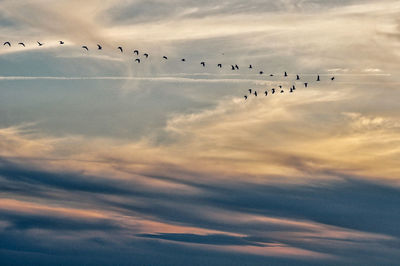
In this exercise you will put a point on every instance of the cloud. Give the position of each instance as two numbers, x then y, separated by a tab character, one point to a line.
102	160
330	220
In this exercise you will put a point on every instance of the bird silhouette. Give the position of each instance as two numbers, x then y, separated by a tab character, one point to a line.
280	86
137	60
318	79
291	90
266	93
99	47
261	72
203	64
332	78
183	60
255	93
146	55
120	48
61	42
219	65
271	75
282	91
250	91
297	77
166	58
7	43
306	84
233	67
237	67
136	52
250	66
40	44
21	43
85	47
285	74
294	87
245	97
272	90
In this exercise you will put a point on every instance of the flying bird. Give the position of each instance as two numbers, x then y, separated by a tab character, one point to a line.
85	47
136	52
7	43
219	65
99	47
166	58
61	42
40	44
137	60
120	48
146	55
318	79
305	84
203	64
21	43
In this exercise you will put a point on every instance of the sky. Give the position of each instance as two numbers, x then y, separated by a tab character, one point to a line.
104	161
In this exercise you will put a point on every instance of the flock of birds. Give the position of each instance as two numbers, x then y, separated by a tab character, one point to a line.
233	67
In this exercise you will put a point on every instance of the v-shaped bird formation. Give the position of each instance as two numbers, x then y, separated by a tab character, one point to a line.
233	67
